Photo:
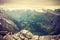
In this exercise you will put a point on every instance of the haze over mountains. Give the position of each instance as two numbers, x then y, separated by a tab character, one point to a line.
41	23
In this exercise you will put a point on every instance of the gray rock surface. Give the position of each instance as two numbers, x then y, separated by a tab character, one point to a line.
26	35
6	24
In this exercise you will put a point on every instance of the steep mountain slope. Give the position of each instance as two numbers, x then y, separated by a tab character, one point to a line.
42	23
6	24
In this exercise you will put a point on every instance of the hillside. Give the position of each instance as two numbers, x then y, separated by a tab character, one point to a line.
41	23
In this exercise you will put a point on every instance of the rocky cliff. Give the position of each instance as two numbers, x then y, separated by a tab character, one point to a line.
6	24
8	29
26	35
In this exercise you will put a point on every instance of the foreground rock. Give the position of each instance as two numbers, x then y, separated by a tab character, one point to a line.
26	35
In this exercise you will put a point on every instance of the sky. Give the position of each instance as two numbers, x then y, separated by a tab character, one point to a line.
30	4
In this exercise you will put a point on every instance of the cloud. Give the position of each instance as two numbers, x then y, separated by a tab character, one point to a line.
4	1
34	4
55	2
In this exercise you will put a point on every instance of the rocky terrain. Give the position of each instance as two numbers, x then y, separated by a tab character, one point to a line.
6	25
41	23
44	26
26	35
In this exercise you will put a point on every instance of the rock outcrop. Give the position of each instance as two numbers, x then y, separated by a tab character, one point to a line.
26	35
8	29
6	24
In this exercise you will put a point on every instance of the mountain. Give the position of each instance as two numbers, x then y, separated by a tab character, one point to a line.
41	23
6	25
